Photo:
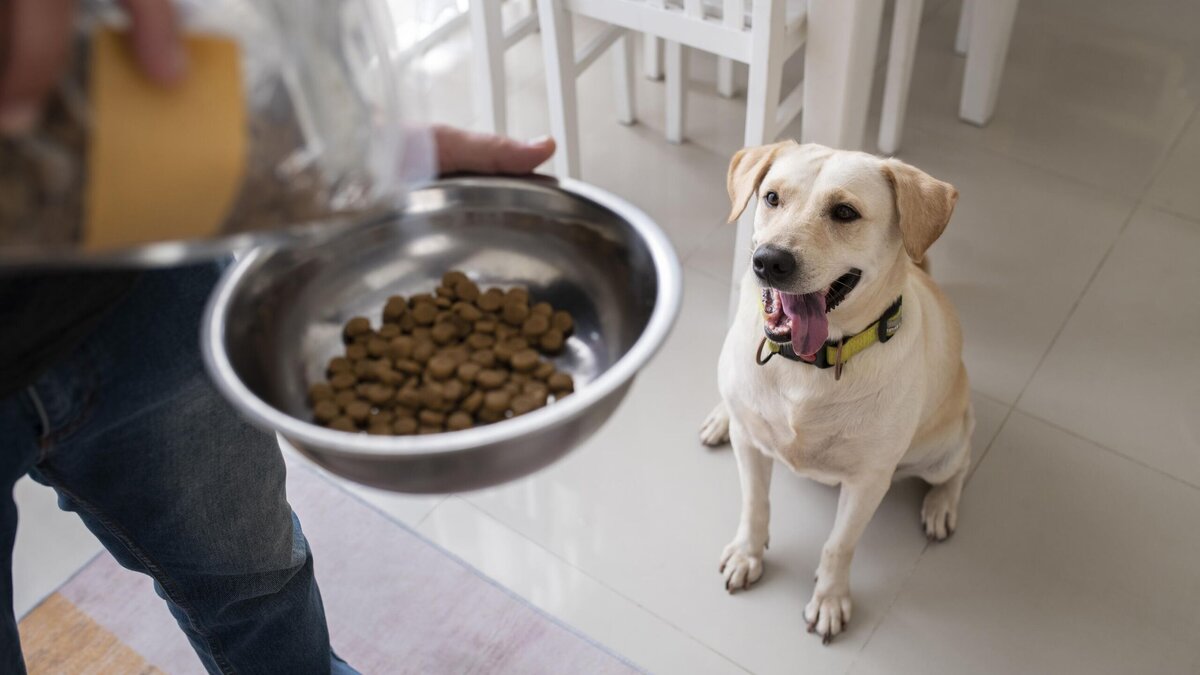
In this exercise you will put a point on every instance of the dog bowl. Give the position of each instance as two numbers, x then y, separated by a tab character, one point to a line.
275	320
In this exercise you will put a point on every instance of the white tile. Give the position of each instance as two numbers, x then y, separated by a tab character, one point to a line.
1068	559
556	587
989	416
1017	254
1126	370
51	545
1175	186
1082	95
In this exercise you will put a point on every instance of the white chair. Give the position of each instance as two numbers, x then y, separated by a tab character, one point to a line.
764	40
491	40
984	29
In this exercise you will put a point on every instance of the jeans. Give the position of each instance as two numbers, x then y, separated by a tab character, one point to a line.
134	439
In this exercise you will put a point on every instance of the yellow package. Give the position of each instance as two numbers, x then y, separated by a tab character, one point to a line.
163	163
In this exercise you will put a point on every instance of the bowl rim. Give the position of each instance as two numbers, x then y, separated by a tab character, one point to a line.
668	300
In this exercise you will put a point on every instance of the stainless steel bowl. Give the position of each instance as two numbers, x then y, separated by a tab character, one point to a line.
275	319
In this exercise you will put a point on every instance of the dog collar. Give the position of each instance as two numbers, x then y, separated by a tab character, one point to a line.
835	354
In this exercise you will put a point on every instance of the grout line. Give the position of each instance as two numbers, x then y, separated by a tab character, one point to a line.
428	513
1162	161
602	584
1138	205
1122	455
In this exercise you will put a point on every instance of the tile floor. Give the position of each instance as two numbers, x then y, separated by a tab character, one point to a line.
1072	260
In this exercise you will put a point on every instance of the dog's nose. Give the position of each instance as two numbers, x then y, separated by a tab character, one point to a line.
773	264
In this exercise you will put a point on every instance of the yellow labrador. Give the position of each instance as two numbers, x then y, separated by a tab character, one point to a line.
844	360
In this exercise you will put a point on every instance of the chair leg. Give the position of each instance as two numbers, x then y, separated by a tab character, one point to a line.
652	56
558	50
677	81
487	33
991	27
762	104
766	72
962	38
623	68
839	67
906	27
726	84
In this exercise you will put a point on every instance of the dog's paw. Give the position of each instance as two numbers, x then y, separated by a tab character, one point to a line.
742	565
828	613
715	430
939	513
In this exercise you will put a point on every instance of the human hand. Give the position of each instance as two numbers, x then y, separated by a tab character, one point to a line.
35	41
460	150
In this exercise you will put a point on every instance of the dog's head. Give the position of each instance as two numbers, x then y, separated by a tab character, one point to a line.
831	231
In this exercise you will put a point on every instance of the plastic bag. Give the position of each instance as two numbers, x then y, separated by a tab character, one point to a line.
325	142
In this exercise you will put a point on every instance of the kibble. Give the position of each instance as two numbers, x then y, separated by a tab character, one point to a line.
395	308
552	342
444	333
359	325
563	322
560	383
326	411
343	380
321	391
491	301
424	314
441	367
459	421
358	411
405	426
535	325
444	361
524	360
338	364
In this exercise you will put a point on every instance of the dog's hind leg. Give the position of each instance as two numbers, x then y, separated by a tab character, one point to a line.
939	512
715	430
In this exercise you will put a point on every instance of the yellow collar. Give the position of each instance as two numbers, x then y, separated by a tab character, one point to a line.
835	354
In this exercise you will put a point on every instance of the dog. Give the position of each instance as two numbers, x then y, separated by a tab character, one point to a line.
844	359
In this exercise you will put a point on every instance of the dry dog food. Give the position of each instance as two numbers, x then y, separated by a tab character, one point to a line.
445	361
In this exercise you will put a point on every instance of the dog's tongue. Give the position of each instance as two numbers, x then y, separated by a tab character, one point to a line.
810	328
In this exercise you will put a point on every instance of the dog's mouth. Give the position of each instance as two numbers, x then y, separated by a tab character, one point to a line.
801	318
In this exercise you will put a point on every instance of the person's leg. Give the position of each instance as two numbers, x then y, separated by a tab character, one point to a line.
176	485
18	452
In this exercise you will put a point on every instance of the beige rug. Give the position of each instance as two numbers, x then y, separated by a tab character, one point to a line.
377	598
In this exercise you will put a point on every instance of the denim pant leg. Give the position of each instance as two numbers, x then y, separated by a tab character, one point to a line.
176	485
18	452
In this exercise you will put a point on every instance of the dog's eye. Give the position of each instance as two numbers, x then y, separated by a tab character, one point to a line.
844	213
771	198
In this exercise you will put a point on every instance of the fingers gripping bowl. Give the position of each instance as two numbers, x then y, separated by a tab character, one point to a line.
276	318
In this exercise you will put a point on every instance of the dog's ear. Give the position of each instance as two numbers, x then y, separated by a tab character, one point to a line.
923	205
746	171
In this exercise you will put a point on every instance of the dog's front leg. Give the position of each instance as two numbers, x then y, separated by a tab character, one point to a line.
741	561
829	610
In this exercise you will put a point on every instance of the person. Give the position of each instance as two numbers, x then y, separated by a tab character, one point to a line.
103	398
